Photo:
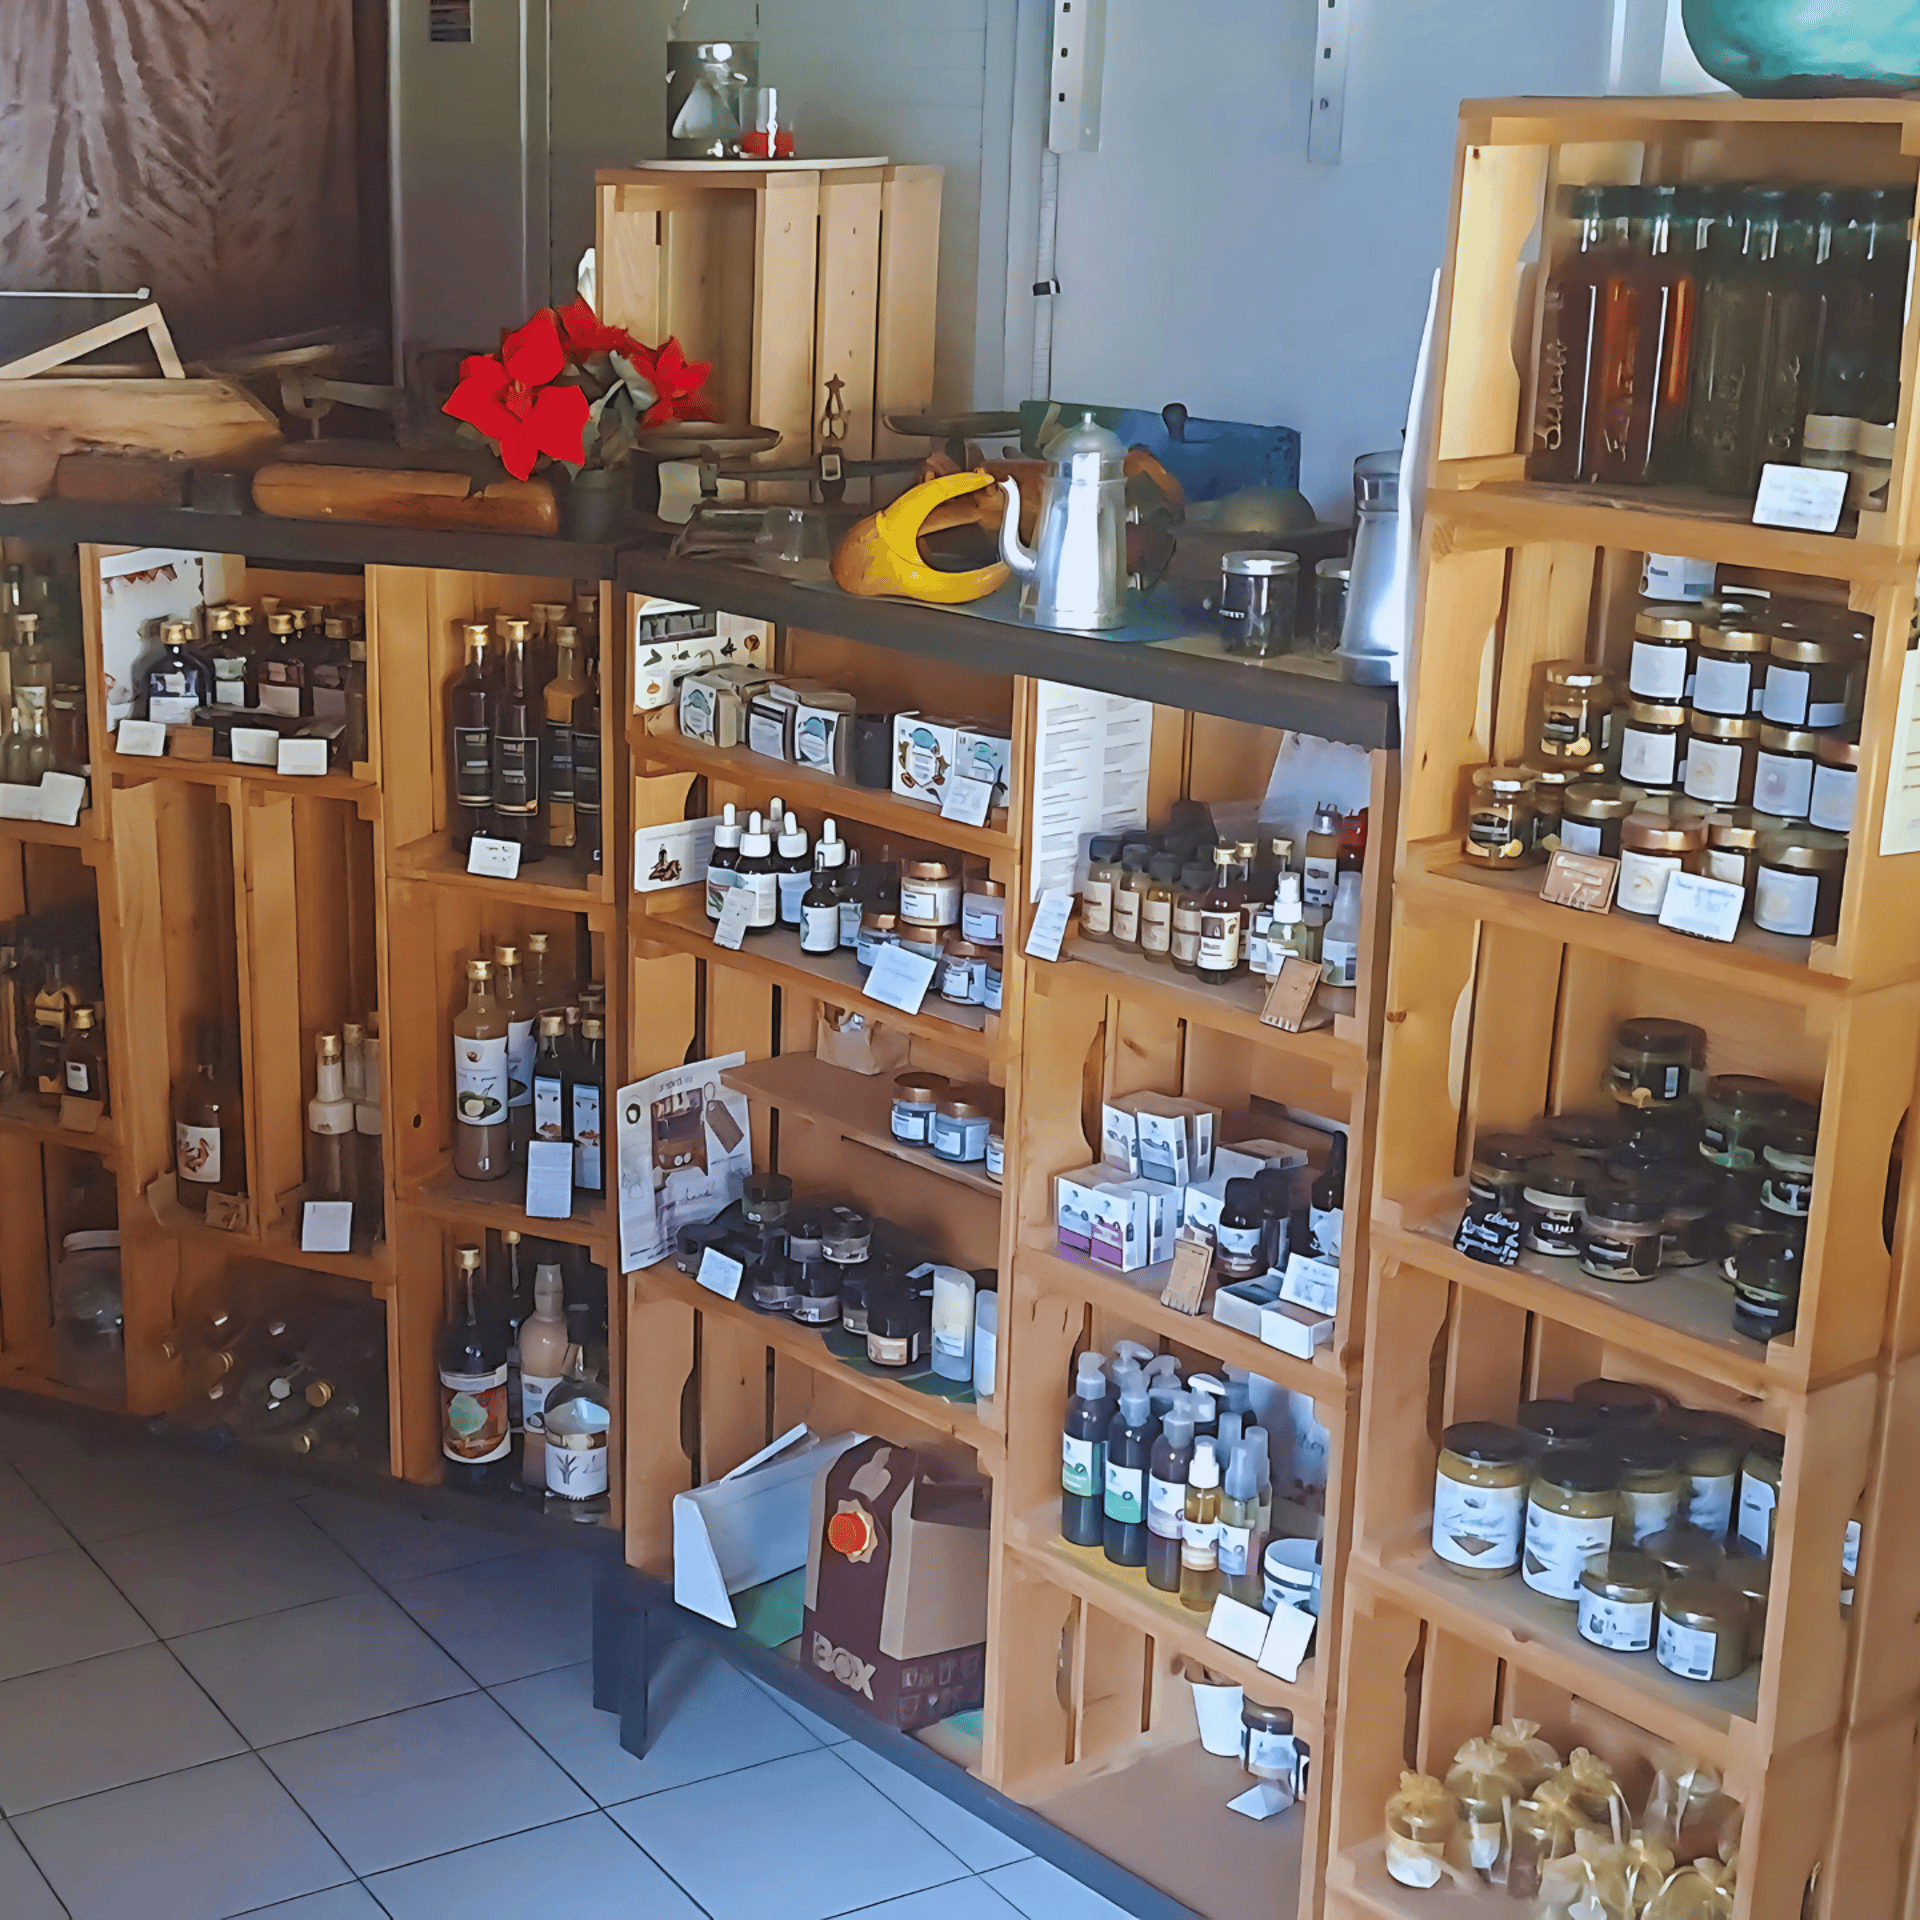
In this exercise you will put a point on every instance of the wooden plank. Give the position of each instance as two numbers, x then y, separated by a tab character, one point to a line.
200	420
141	319
909	282
845	327
786	395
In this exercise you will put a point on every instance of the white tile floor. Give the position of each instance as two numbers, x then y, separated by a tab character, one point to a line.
218	1700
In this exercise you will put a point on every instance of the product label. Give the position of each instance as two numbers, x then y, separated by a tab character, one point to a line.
1326	1224
982	925
1831	805
1234	1545
1647	759
196	1154
910	1124
1657	672
534	1389
1486	1841
1156	926
1625	1626
1320	874
792	889
586	770
229	682
1726	863
1185	947
1096	907
519	1063
576	1473
1340	962
560	765
480	1080
1083	1465
549	1109
1166	1507
516	773
1237	1243
1645	1514
1687	1651
764	891
849	923
1579	836
1782	784
1784	902
1126	1494
1559	1545
1199	1542
1643	880
1270	1754
1722	686
282	700
475	1424
1478	1527
819	929
1713	770
586	1137
77	1077
932	903
1126	916
1850	1550
1219	942
1757	1502
1784	700
1710	1503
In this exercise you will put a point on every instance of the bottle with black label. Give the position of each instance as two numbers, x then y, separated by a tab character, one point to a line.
795	870
1322	862
513	715
589	855
550	1079
1326	1208
759	876
562	694
1240	1238
1219	956
820	904
471	754
723	863
584	1104
178	679
476	1433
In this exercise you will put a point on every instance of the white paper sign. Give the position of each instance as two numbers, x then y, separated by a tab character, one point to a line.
493	859
731	928
1090	759
1262	1800
1312	1283
1900	815
1235	1624
1807	497
1050	924
326	1226
145	738
20	802
1286	1644
171	710
1675	576
720	1273
550	1179
1709	908
967	800
307	757
61	797
900	978
255	746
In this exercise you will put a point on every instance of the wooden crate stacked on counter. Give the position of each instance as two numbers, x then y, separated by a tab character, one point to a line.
1504	1006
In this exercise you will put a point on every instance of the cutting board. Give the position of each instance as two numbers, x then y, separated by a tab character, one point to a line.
404	497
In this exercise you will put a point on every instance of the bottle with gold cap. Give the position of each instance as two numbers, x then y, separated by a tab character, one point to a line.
513	716
476	1435
482	1134
330	1151
177	678
227	654
516	1003
566	687
470	740
278	672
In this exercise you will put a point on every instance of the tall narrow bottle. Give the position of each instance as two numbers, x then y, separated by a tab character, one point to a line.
1200	1531
1167	1494
208	1151
1570	324
1723	421
588	855
1240	1546
543	1352
476	1436
1129	1454
513	715
54	1001
550	1075
1219	952
1083	1455
544	986
517	1005
330	1147
585	1100
369	1133
470	741
1646	337
482	1133
563	693
279	670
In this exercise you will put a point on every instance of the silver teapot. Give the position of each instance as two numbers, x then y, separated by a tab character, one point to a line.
1075	574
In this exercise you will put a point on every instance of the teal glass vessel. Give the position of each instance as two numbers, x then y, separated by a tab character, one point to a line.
1807	48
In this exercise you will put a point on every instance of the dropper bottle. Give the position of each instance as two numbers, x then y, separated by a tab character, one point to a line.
1083	1462
1240	1543
1167	1495
758	876
1129	1453
1200	1531
795	868
724	861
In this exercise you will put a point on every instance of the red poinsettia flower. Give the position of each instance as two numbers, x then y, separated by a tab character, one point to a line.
508	398
677	382
582	332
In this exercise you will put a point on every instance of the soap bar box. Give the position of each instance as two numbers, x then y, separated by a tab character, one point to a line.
713	704
1103	1214
1159	1136
923	756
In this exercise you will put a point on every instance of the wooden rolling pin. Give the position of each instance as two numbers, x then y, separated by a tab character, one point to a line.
404	497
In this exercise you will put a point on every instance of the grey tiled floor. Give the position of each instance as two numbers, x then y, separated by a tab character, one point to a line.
218	1700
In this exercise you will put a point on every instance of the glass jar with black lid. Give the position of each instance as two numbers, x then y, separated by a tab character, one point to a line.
1553	1203
848	1244
1500	1162
1690	1230
816	1280
1653	1061
1588	1136
1623	1405
1766	1291
1558	1423
1736	1110
1620	1236
1787	1157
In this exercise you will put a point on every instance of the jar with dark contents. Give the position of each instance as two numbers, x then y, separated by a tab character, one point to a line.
764	1199
1809	672
1783	772
1550	784
1653	1061
1576	713
1690	1233
1722	751
1729	667
1587	1136
1553	1204
1798	876
769	1274
1620	1237
816	1280
1590	815
1623	1405
1836	780
1733	848
1558	1423
1500	1162
1787	1158
848	1245
1736	1109
898	1322
1749	1233
1655	844
1652	745
1500	825
1662	661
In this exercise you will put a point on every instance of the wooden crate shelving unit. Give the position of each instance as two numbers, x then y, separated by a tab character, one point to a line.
1502	1006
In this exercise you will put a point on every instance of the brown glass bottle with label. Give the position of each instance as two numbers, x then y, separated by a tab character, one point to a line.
1218	959
209	1143
83	1058
562	693
470	741
277	674
514	719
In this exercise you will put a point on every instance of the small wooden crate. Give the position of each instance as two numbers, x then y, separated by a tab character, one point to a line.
785	279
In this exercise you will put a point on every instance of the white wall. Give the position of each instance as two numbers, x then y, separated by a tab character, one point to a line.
1201	257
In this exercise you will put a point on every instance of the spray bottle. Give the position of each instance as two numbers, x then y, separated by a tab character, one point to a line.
1240	1543
1263	1471
1200	1531
1167	1495
1083	1448
1129	1453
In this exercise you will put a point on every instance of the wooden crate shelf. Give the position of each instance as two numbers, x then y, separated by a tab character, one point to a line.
23	1113
493	1205
551	883
42	833
134	769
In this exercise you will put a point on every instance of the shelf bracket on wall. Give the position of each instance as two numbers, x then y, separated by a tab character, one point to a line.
1327	111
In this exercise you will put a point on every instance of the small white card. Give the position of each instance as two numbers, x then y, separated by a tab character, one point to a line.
62	795
1808	497
1675	576
1311	1283
1262	1800
1288	1634
145	738
967	800
302	756
169	710
731	928
1235	1624
720	1273
326	1226
550	1179
19	802
493	859
255	746
900	978
1050	924
1707	908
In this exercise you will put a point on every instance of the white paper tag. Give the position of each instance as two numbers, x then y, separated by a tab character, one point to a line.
307	757
900	978
255	746
493	859
731	928
720	1273
169	710
1286	1644
145	738
550	1179
1675	576
1262	1800
1709	908
1808	497
1050	924
20	803
61	798
1235	1624
326	1226
1900	812
967	800
1312	1283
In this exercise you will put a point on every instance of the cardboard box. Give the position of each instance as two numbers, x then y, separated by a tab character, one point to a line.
1201	1201
1240	1303
823	731
984	753
671	638
1295	1330
1160	1136
897	1570
750	1526
713	704
923	750
672	855
1075	1196
1133	1224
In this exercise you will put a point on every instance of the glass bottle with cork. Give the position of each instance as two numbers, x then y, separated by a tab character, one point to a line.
518	1010
209	1154
557	702
513	718
330	1155
482	1131
470	757
1218	957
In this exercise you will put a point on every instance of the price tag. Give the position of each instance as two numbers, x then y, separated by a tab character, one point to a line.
326	1226
1311	1283
1290	995
967	800
1489	1236
550	1179
1582	880
1186	1285
731	928
720	1273
78	1115
1805	497
307	757
145	739
1050	924
1288	1637
1675	576
62	795
254	747
1707	909
900	978
1262	1800
227	1212
170	711
1235	1624
493	859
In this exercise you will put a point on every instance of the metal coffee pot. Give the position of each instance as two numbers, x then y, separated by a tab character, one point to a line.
1075	574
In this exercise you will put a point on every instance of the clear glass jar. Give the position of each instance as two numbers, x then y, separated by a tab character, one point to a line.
1783	772
1650	744
915	1096
1766	1289
1620	1236
1553	1205
1736	1109
1836	781
1587	1136
1685	1552
1572	1509
1653	848
1729	667
1500	825
1549	797
963	973
877	930
1722	752
1259	601
1500	1162
1267	1741
1759	1498
1798	877
1653	1061
1703	1631
1712	1445
1807	682
1733	846
1331	579
1591	813
1559	1423
1619	1595
1624	1406
1576	713
1662	662
1750	1576
1788	1148
1690	1233
1653	1486
1480	1499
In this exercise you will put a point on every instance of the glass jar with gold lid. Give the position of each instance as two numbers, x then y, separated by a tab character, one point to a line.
1662	660
1722	752
1808	675
1572	1509
1783	771
1549	796
1733	847
1652	739
1576	713
1619	1597
1798	876
1703	1630
1500	826
1729	666
1653	848
1590	815
1836	779
1480	1498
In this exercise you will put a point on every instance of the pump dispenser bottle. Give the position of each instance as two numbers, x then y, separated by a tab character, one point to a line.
1129	1454
1083	1464
1200	1531
1167	1494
